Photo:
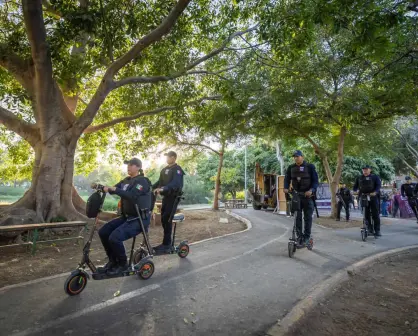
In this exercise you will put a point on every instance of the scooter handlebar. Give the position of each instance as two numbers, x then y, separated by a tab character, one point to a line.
97	186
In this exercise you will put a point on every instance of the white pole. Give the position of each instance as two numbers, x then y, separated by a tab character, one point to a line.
245	177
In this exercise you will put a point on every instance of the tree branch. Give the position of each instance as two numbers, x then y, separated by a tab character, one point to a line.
196	144
107	83
49	98
92	129
24	129
409	52
49	8
340	155
22	70
187	68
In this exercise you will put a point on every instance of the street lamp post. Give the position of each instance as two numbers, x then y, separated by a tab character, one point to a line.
245	172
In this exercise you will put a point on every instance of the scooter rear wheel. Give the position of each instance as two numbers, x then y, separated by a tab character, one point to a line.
291	247
147	270
183	251
363	235
75	284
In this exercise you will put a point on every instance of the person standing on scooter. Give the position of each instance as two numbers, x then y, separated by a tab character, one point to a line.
169	185
304	179
408	190
344	200
369	183
133	190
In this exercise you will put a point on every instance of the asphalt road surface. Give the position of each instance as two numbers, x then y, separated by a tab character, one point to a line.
235	285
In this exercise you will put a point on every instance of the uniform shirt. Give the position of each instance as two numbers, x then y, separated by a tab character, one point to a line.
134	190
374	178
408	189
345	193
171	180
312	173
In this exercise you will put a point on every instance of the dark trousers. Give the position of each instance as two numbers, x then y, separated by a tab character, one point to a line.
395	209
373	207
307	207
413	204
166	210
115	232
347	209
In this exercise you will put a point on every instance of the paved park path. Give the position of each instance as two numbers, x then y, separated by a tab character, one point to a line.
235	285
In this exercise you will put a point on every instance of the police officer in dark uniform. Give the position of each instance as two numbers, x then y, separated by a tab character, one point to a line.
304	180
344	200
409	190
369	183
133	190
169	185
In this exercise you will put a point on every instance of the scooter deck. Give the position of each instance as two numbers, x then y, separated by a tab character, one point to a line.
102	276
173	250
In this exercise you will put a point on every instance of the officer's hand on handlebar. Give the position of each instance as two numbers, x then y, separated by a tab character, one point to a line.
308	193
107	189
286	191
373	194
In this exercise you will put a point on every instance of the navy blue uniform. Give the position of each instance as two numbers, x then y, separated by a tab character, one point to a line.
303	178
132	190
344	202
367	185
171	183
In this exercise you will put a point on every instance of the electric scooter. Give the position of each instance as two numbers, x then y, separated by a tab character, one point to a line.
181	249
296	242
144	269
365	200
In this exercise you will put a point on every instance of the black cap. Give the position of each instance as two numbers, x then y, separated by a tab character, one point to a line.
366	167
297	153
407	178
171	153
134	161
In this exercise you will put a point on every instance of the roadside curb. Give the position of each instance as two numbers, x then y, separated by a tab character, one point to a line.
241	219
55	276
324	288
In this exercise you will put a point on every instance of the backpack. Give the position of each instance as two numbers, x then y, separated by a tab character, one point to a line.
94	204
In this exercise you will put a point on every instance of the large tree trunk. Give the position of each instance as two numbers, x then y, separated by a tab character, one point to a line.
50	194
334	179
218	179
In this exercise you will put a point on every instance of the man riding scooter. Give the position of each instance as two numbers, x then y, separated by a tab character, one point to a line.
169	185
369	184
304	180
133	190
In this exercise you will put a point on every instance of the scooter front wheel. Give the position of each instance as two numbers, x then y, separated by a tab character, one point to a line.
363	235
291	247
75	284
147	270
183	251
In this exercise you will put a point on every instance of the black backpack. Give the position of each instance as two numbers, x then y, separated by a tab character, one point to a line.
94	204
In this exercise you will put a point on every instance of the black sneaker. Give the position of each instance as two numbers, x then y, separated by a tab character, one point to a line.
378	234
163	248
337	219
118	269
103	269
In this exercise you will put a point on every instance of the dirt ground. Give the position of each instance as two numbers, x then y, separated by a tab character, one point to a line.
382	300
18	265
